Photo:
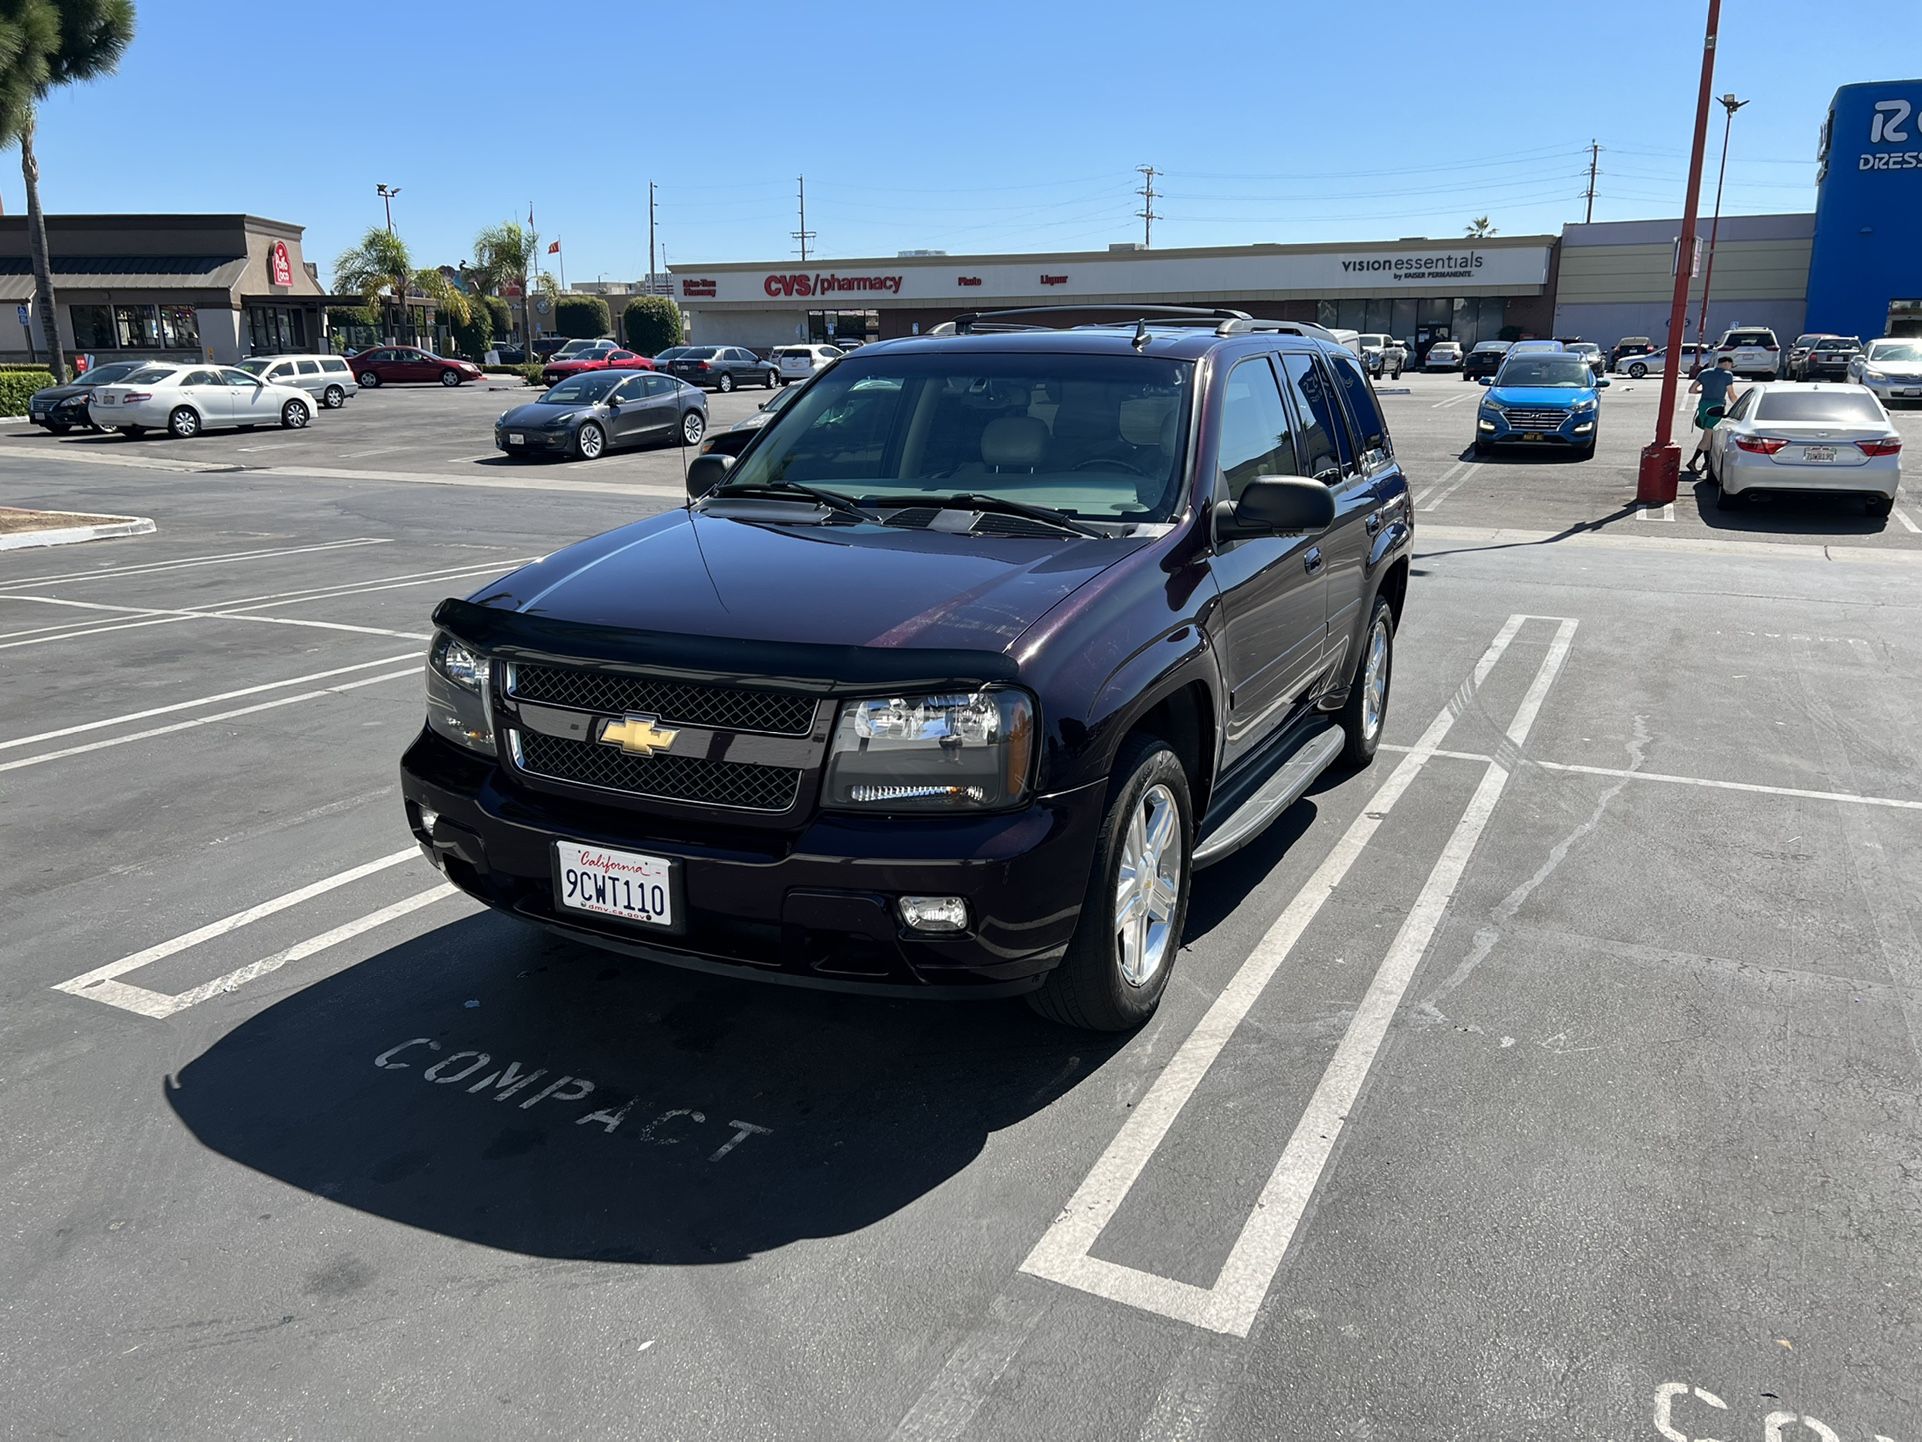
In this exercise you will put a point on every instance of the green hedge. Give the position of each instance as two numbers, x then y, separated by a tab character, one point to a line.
529	373
16	386
652	323
581	317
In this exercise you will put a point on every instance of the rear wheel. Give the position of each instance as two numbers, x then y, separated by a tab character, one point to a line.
771	379
725	383
589	441
1366	710
1638	370
1117	965
370	379
183	424
693	427
333	398
58	428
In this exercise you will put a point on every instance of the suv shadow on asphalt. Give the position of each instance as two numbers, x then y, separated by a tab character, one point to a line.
725	1118
1788	514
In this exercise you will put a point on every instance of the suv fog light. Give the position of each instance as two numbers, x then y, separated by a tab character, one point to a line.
934	913
1584	426
1484	425
428	816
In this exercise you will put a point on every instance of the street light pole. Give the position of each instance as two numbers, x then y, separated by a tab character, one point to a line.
1661	462
1730	104
387	194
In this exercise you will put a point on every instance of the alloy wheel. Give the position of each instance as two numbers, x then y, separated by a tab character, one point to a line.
591	441
1374	696
1148	886
693	428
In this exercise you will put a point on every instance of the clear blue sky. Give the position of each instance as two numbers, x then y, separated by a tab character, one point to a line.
966	127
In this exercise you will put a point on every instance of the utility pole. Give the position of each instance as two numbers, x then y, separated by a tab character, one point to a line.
1730	105
804	235
652	270
1147	211
1594	157
1661	462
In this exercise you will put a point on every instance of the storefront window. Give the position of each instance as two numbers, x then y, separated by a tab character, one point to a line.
138	326
276	329
825	327
179	327
92	327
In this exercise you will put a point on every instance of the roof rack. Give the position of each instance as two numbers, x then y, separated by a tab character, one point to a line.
1001	319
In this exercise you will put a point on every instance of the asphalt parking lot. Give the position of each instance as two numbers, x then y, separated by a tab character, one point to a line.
1555	1078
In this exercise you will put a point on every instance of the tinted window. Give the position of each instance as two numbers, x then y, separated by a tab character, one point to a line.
113	371
200	378
1850	407
147	375
659	386
1255	435
310	368
255	367
1362	409
1744	403
1321	450
333	365
631	389
238	378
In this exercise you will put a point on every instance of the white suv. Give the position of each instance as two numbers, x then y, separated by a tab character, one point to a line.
326	377
798	362
1754	350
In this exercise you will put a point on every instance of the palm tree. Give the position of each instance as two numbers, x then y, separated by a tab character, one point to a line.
1479	228
45	44
381	262
509	254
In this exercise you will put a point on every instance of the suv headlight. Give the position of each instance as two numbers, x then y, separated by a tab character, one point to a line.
459	706
947	751
1584	405
1489	403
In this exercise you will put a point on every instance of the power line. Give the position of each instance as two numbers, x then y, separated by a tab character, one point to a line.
1147	211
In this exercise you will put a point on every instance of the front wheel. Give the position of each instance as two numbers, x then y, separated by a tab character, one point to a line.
693	427
293	416
589	441
450	378
1117	965
370	379
333	398
725	383
1366	709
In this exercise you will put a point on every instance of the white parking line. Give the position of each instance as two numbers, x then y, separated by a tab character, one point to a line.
199	701
1450	481
1467	395
218	716
185	562
156	616
1664	512
100	984
1064	1252
1908	524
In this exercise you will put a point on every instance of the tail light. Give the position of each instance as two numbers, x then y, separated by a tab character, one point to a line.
1891	446
700	365
1759	445
131	396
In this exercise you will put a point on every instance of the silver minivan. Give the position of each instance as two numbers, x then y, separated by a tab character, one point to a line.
327	376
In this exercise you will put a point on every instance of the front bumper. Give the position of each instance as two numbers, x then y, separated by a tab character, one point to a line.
811	908
1578	429
1896	388
538	441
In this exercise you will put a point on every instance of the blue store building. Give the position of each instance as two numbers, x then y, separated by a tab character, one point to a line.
1865	268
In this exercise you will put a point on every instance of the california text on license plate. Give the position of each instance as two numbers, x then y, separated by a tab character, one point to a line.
1818	453
614	883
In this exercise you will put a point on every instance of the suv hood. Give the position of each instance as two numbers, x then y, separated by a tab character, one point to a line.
1562	397
688	574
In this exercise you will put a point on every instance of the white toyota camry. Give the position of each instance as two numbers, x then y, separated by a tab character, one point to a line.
187	399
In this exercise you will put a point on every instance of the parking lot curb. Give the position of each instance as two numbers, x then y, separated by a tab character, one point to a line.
72	535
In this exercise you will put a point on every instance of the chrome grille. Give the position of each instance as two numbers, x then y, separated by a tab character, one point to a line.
1536	418
694	779
724	708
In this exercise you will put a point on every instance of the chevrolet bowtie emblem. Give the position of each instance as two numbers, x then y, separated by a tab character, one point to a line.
637	735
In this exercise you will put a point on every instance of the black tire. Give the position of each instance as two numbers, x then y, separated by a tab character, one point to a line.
1637	370
772	380
1361	738
1879	506
58	428
370	379
725	383
590	441
693	427
182	425
294	416
1087	989
132	433
333	398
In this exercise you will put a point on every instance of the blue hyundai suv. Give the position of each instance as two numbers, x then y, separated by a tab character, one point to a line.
1546	398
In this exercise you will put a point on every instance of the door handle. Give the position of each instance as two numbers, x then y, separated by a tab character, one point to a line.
1312	560
1373	523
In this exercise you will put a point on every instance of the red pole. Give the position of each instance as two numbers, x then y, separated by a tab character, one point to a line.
1714	229
1661	463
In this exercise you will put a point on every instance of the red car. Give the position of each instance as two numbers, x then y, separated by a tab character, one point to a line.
556	371
387	364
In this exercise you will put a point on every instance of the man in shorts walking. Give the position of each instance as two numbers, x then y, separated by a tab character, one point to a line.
1713	386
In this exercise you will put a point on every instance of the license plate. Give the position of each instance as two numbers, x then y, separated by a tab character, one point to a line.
614	883
109	400
516	438
1531	435
1908	391
1818	453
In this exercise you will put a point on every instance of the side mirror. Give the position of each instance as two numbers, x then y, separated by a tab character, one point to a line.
706	472
1601	383
1273	505
1485	380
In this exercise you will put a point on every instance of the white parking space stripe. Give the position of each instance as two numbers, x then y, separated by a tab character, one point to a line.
1064	1252
1664	512
156	617
1450	481
1456	400
91	746
1908	524
523	481
185	562
90	983
199	701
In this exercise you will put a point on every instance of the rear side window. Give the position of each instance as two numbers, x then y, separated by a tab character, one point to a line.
1256	439
334	365
1324	435
1842	407
197	378
310	368
1362	410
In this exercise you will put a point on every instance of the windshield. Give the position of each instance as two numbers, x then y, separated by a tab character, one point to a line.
1493	347
1853	406
1096	437
146	375
699	352
1544	370
101	375
1896	350
584	390
255	367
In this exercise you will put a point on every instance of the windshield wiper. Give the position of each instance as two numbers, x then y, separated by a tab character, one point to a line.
1048	515
833	500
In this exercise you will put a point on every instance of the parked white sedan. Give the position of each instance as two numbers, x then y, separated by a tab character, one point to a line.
798	362
187	399
1819	436
1891	366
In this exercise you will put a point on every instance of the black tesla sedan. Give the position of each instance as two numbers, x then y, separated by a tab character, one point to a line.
588	414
